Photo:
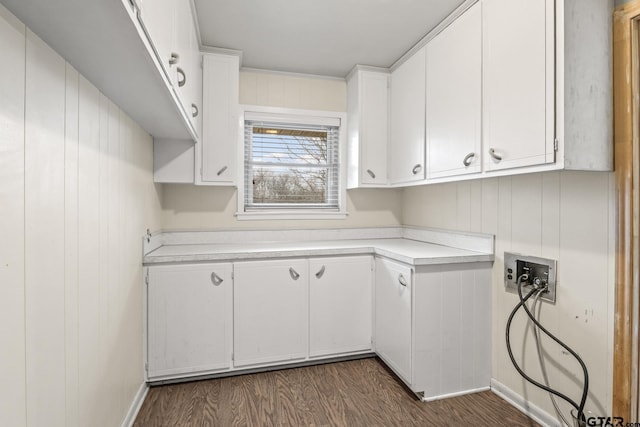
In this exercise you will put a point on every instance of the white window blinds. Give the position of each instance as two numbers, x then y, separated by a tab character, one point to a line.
291	166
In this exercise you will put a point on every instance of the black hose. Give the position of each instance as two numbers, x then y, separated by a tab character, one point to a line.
522	303
585	388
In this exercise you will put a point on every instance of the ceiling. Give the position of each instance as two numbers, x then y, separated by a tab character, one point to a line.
324	37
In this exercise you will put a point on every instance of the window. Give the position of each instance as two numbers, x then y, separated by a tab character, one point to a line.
292	165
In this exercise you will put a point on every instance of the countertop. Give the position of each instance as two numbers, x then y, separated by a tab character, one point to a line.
405	250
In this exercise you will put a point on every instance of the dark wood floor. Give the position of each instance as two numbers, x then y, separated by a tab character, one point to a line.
356	393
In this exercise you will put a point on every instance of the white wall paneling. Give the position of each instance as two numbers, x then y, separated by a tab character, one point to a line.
12	202
44	233
89	259
76	195
561	215
71	239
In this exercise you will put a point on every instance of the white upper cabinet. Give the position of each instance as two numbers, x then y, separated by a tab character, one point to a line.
407	144
217	153
158	18
187	70
518	73
454	98
170	27
368	128
196	82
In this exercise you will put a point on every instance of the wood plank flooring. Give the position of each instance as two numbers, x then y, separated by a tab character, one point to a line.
355	393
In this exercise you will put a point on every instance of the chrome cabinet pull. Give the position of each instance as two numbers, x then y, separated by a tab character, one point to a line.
221	171
416	169
196	111
370	172
294	274
468	158
217	280
496	156
402	280
320	273
183	81
174	59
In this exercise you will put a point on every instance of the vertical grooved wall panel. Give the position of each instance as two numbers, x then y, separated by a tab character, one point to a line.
71	244
76	195
89	254
12	327
44	233
565	216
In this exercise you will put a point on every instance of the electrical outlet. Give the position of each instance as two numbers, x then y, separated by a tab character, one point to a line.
540	271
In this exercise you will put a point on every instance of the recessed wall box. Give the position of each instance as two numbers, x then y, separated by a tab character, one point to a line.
540	272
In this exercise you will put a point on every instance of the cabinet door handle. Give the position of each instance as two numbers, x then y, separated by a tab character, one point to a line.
196	111
320	273
294	274
174	59
215	279
370	172
183	81
497	157
416	169
402	280
221	171
467	159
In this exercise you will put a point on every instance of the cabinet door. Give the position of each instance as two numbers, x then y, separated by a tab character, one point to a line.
518	73
270	311
220	123
454	101
195	108
393	315
407	145
340	305
189	315
158	20
374	127
182	74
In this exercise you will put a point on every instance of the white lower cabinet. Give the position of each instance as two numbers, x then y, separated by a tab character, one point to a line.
188	319
394	282
340	303
433	325
270	311
451	350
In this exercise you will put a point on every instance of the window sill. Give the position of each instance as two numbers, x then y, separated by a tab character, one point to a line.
289	215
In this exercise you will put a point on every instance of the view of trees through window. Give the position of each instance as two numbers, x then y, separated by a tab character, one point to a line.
289	166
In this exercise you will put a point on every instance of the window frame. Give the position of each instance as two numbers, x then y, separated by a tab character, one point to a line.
290	115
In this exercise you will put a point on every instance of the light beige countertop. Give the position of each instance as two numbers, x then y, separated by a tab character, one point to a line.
405	250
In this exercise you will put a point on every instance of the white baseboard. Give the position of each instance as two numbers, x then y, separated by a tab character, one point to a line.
459	393
536	413
136	404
